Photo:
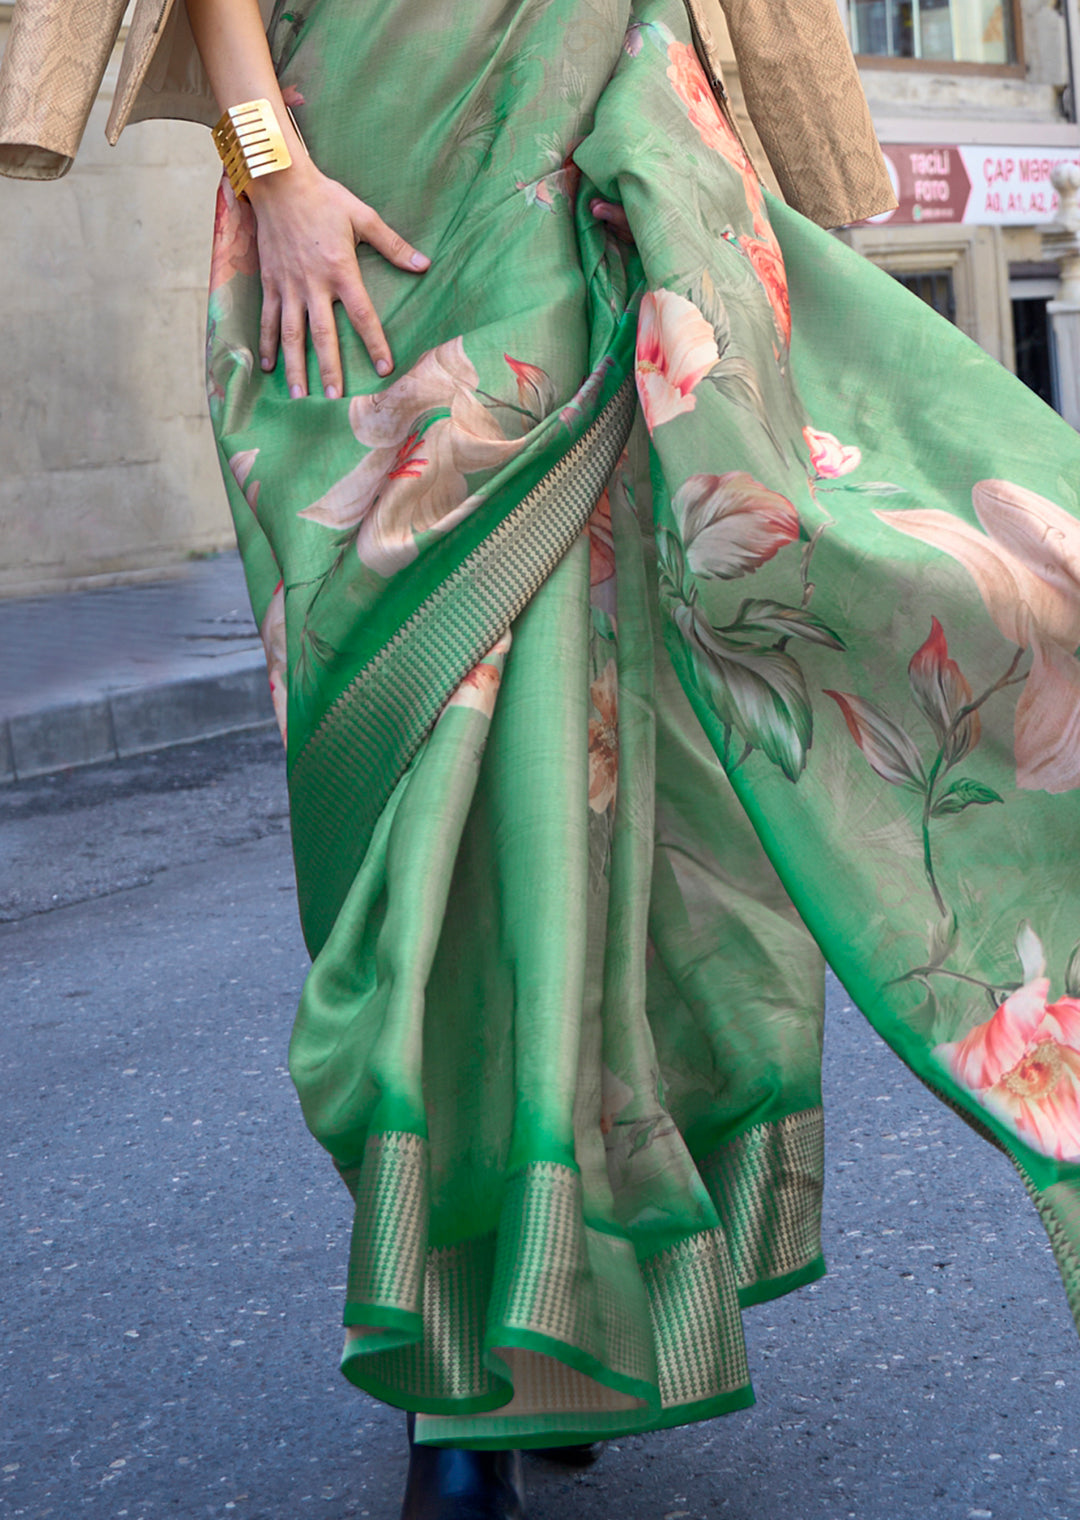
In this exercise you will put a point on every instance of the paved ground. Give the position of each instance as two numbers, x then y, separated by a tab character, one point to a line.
97	675
173	1247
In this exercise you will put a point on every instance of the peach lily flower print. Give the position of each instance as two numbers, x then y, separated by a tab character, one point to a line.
1027	569
424	435
1023	1064
241	464
272	633
676	349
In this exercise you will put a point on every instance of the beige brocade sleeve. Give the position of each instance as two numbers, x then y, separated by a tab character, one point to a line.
805	98
56	55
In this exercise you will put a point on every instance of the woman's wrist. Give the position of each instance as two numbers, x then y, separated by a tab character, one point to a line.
253	144
231	41
274	189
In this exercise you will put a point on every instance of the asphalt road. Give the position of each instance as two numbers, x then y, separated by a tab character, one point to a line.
173	1245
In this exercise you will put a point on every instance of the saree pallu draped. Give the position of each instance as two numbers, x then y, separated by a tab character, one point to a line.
678	613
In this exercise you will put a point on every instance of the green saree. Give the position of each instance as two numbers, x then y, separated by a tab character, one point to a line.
677	614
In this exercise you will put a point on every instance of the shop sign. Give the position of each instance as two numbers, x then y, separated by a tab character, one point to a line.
986	186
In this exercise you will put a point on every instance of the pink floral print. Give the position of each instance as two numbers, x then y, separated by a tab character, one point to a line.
536	393
693	89
604	739
272	633
480	688
942	690
1023	1065
676	349
887	748
235	246
829	458
767	261
601	543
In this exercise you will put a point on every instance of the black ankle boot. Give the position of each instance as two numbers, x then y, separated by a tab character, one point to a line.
582	1455
450	1483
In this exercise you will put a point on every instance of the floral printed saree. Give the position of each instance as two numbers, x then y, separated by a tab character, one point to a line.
678	614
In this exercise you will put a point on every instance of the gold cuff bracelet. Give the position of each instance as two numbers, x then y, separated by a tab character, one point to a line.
250	143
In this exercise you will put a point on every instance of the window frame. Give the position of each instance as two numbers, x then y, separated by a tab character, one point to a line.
1017	70
975	258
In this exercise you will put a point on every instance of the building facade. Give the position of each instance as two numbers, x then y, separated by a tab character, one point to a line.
975	103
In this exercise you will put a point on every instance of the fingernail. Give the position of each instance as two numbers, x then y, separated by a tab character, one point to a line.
267	363
420	261
296	391
383	366
332	393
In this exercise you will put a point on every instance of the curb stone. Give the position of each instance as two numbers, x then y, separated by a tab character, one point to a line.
134	722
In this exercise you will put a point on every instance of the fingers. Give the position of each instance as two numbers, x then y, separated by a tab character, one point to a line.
365	320
269	327
325	341
305	272
293	345
370	228
614	216
288	321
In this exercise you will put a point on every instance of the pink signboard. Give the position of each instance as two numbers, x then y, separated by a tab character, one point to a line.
987	186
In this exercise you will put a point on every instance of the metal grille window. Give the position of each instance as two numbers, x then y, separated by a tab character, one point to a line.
935	287
946	31
1029	293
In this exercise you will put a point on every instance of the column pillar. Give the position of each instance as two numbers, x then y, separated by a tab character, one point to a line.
1061	243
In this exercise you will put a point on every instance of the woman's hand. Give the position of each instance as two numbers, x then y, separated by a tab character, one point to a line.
308	229
308	225
615	217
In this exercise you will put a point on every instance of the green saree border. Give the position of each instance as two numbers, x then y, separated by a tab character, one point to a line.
532	1432
343	776
665	1330
776	1287
767	1184
1059	1210
390	1227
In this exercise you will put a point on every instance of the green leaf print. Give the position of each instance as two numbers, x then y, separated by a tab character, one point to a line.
945	698
758	614
760	694
887	747
963	793
942	939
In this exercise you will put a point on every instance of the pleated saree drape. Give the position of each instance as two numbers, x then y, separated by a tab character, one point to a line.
677	613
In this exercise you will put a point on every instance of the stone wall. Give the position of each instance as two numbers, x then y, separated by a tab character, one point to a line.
109	470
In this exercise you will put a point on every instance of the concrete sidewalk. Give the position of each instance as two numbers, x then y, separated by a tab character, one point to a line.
97	675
